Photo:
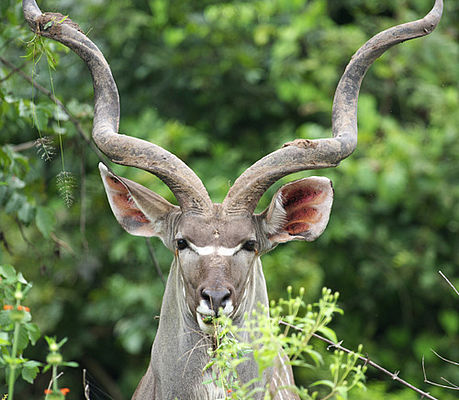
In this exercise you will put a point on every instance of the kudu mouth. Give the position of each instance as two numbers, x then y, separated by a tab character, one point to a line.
213	303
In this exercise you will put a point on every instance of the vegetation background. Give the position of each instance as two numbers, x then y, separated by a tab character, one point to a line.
221	84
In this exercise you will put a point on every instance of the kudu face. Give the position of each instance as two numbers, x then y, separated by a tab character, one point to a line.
217	252
216	256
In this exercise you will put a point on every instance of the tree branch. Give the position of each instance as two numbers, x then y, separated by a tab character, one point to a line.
447	280
445	359
366	360
450	385
12	72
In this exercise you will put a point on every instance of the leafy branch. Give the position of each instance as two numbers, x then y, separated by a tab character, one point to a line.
262	339
367	361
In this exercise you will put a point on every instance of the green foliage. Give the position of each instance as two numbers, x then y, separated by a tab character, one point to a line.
16	329
286	331
54	360
221	84
17	332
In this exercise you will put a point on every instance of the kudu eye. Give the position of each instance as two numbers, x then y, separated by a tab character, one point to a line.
250	245
182	244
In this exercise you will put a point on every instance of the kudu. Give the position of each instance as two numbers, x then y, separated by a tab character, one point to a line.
217	247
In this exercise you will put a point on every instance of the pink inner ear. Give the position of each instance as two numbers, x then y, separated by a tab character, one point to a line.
298	204
296	195
115	183
123	202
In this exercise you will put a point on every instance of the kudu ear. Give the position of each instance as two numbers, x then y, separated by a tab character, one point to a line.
299	210
139	211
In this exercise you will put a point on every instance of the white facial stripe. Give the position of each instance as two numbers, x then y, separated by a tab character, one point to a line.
202	251
219	250
228	251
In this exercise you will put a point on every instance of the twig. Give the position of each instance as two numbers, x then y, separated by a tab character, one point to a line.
450	385
447	280
24	146
444	359
453	386
54	99
5	242
367	361
23	235
155	261
55	379
61	243
12	72
85	386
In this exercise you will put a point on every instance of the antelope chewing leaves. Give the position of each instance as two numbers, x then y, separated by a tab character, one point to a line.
219	274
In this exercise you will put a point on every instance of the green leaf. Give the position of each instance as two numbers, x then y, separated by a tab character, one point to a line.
15	203
8	272
21	279
45	221
25	213
34	332
23	338
323	382
316	357
4	339
62	342
72	364
48	25
4	318
328	333
30	370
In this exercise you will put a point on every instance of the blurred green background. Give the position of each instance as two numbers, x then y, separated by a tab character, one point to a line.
221	84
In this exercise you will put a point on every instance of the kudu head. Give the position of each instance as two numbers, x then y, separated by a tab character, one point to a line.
217	245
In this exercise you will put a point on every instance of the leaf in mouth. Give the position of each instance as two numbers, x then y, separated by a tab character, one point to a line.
207	319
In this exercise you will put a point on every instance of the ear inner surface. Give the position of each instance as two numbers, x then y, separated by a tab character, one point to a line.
307	206
138	210
299	206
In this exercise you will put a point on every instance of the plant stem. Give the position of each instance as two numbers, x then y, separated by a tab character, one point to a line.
55	386
14	350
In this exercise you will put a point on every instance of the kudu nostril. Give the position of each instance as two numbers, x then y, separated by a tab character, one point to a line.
216	298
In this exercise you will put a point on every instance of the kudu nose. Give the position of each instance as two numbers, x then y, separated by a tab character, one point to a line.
216	298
